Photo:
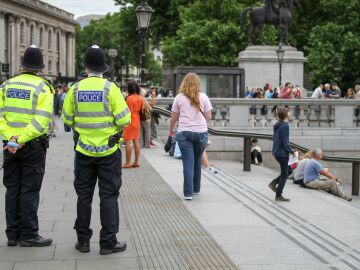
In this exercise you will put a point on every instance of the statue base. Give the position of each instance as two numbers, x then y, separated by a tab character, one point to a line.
261	66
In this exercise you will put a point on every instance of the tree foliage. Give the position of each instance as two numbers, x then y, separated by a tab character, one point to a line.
329	33
209	34
117	31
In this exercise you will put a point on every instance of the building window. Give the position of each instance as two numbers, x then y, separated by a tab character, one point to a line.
41	37
58	41
50	40
50	67
22	33
31	34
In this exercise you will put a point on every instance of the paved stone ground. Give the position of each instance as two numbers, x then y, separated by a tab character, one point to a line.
314	231
160	232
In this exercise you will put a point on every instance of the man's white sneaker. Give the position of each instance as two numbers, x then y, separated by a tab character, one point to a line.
188	198
196	193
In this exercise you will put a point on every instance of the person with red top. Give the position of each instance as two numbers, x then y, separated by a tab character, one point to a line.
287	92
132	132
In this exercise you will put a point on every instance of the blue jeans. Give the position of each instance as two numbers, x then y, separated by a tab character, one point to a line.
192	146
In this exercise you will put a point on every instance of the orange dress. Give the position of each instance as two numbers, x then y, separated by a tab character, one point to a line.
132	132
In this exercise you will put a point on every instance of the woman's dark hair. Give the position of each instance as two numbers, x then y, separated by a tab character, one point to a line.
283	113
288	84
133	88
254	140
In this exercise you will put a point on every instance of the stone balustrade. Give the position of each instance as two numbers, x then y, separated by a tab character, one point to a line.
262	112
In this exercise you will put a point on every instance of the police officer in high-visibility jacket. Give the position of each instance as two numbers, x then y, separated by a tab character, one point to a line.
26	106
96	109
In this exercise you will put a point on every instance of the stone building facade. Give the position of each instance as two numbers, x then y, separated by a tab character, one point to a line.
27	22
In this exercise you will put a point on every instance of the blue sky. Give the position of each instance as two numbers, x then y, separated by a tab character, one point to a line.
85	7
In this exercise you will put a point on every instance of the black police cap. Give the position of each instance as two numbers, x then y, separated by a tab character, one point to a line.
33	59
95	59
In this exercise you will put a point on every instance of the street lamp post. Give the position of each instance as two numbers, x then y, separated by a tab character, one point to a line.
113	53
143	14
280	55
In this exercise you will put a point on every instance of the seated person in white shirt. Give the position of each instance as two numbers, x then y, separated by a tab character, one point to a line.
300	170
256	156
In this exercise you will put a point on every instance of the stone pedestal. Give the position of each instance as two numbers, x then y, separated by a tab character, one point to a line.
261	66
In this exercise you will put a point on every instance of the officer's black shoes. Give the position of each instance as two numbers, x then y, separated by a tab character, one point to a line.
83	247
36	242
12	243
119	247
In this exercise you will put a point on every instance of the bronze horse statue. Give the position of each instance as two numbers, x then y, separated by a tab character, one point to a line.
280	17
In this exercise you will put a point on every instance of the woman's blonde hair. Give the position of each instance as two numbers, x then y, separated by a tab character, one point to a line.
190	87
309	155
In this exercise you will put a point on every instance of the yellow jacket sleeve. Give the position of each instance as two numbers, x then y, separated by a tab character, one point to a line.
119	107
68	110
42	117
4	128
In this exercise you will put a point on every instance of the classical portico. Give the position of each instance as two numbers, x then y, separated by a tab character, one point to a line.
27	22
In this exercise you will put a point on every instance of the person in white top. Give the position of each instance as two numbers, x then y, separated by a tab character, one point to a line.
318	92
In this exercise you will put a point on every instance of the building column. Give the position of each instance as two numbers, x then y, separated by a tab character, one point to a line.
63	53
2	37
11	46
73	55
68	55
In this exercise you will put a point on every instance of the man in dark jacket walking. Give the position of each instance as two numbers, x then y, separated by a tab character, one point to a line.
281	150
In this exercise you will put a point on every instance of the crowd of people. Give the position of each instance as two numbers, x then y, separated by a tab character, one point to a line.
289	91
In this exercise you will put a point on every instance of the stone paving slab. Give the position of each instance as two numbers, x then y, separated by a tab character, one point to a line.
314	231
46	265
159	230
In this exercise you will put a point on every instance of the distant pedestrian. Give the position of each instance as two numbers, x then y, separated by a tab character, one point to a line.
318	92
357	91
132	132
192	109
287	92
350	94
281	150
154	117
256	155
298	92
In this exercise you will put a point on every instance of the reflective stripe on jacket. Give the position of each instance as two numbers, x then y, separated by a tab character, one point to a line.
26	107
96	109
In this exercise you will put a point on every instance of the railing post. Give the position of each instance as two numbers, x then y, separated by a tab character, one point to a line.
247	154
355	178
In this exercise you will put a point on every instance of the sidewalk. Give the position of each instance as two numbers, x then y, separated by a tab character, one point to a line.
160	232
314	231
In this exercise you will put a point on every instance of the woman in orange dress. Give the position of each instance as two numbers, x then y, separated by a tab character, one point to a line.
132	132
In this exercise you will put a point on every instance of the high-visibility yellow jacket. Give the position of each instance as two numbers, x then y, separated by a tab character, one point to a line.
26	107
96	109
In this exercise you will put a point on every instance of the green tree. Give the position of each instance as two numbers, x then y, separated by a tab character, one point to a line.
117	31
165	20
209	34
328	31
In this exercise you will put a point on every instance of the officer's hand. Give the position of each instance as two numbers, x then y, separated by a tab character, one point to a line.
13	150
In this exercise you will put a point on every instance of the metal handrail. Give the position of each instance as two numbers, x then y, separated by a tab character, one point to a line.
247	149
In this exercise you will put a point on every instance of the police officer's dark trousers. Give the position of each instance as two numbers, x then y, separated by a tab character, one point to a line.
108	171
23	176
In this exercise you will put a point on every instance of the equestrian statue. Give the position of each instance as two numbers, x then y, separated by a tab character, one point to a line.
275	12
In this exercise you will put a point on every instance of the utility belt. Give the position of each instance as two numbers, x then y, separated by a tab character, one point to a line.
112	141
